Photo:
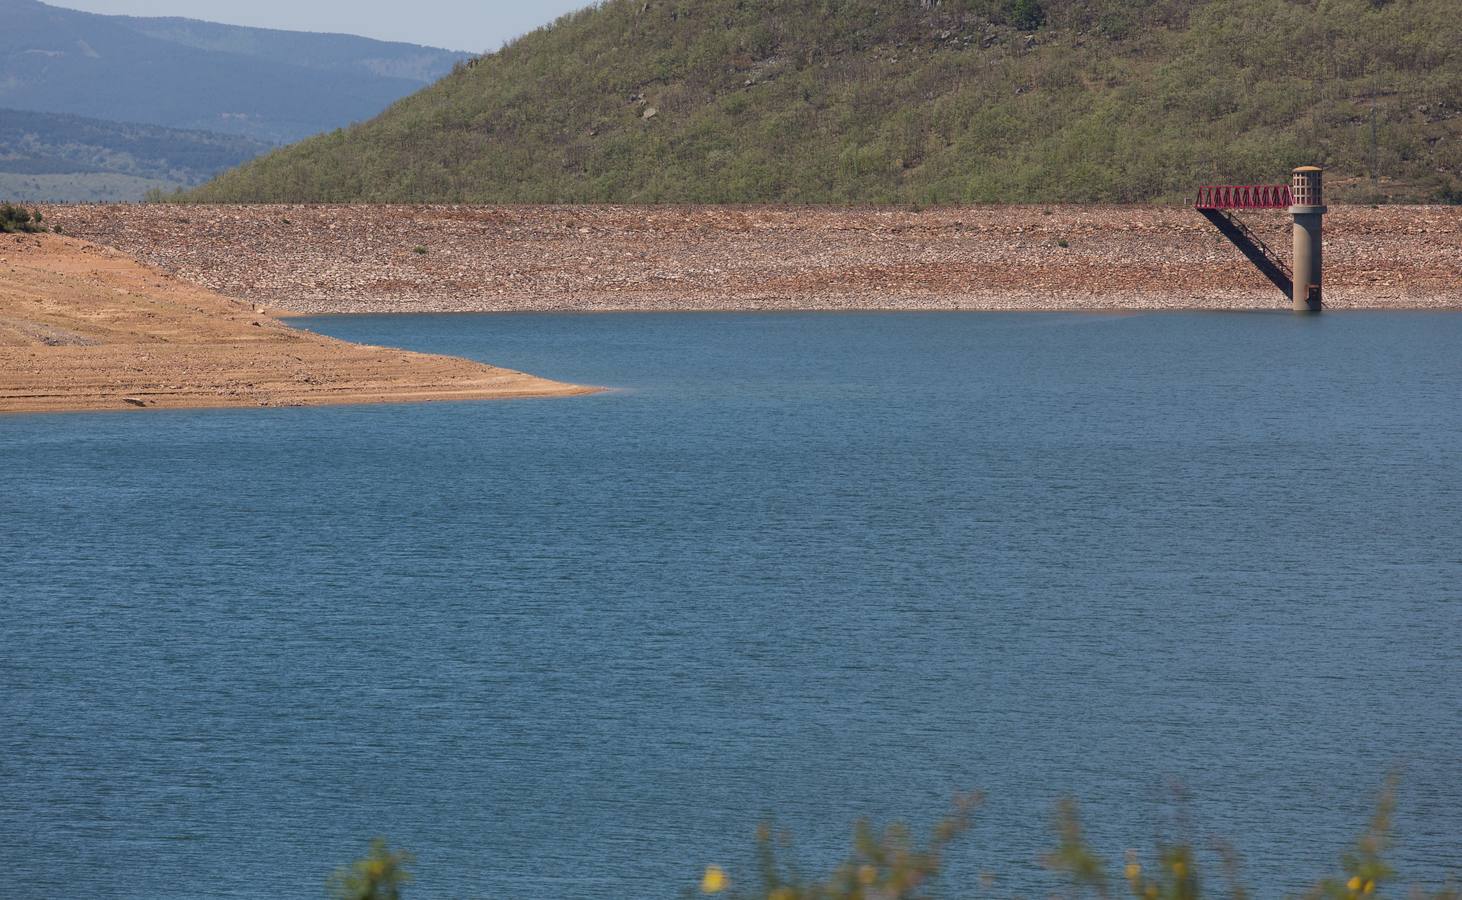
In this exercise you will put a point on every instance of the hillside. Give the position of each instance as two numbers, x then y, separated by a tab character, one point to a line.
59	158
852	101
271	86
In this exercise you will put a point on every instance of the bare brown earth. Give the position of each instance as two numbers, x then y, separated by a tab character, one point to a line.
327	259
84	327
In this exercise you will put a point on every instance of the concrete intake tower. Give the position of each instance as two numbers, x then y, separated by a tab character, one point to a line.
1308	211
1304	197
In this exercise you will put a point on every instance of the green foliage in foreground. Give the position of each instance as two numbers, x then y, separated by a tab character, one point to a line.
380	875
887	865
911	101
15	219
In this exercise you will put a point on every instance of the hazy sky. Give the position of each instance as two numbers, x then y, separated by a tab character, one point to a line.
473	25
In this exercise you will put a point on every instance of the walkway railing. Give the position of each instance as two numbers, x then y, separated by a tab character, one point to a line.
1244	196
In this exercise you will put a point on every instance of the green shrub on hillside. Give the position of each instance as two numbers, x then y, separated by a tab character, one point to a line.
1027	15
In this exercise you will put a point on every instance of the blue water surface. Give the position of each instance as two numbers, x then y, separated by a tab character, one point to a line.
813	567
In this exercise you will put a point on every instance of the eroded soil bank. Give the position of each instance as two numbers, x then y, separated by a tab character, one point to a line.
84	327
329	259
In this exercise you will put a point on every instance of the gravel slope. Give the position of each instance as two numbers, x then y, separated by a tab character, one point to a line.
332	259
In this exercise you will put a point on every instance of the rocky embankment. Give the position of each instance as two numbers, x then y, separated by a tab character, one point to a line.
84	327
332	259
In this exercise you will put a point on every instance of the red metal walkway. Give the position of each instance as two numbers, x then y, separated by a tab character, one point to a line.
1244	196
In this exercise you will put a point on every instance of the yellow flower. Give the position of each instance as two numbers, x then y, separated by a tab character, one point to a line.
1179	869
867	875
375	868
714	881
1354	883
1368	888
1151	890
1134	871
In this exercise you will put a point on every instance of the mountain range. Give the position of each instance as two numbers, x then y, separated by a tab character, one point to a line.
109	108
272	86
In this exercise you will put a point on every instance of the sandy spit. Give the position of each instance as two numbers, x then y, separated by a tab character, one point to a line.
336	259
83	327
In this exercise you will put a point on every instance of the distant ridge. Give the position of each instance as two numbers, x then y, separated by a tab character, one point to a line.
50	157
271	86
914	101
327	52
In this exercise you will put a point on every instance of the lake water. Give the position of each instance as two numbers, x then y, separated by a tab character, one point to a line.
815	566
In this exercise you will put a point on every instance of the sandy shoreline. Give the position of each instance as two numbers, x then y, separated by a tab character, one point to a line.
359	259
84	327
